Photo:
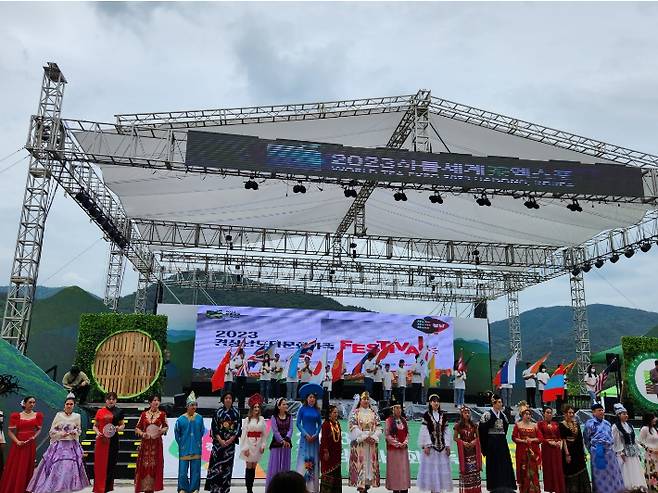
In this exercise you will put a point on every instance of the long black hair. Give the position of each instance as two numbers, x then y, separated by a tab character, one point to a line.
647	420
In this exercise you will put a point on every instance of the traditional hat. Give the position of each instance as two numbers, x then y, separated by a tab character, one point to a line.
255	399
278	402
523	408
364	395
311	388
433	397
619	408
191	399
70	395
596	406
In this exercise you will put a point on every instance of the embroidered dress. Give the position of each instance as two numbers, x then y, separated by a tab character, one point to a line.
364	438
492	431
398	475
309	423
20	462
628	456
279	455
62	469
189	432
106	451
551	457
649	441
528	458
606	474
576	477
2	442
252	440
331	453
434	469
225	424
470	459
150	460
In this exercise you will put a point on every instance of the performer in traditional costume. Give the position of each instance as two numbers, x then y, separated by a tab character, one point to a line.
62	469
574	463
468	448
2	442
606	473
434	440
527	437
252	441
493	440
628	452
331	452
649	441
551	453
225	431
108	423
281	445
189	431
309	424
398	474
151	426
364	440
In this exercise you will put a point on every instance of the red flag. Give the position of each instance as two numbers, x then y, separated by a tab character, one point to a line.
535	368
318	368
337	367
569	367
217	379
496	381
385	351
357	369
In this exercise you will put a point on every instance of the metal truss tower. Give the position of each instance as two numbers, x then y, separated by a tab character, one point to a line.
514	321
580	326
115	269
45	142
141	293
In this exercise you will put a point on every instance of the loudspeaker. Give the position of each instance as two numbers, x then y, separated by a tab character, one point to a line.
480	310
612	360
609	404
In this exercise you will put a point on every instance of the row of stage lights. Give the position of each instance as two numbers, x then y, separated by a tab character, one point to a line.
614	258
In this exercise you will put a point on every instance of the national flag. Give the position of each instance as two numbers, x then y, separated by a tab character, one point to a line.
507	374
431	380
217	379
569	367
600	380
385	351
337	367
359	366
320	370
496	379
460	364
423	358
293	364
259	354
535	368
554	388
308	347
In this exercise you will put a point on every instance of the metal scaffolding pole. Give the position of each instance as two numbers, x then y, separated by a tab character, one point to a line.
141	293
514	321
115	269
45	141
580	326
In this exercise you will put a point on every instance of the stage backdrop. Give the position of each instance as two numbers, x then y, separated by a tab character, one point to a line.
292	327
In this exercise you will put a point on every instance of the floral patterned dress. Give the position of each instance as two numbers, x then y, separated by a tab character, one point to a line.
364	437
150	460
649	441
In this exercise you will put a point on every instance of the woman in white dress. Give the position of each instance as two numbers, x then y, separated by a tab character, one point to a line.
252	441
364	439
434	439
628	452
649	441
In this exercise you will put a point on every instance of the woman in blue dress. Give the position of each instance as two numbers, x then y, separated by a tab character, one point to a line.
309	424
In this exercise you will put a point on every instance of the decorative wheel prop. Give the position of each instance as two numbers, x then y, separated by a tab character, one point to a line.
640	386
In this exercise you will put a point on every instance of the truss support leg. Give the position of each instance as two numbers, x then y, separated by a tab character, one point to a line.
140	294
115	269
580	326
514	321
45	139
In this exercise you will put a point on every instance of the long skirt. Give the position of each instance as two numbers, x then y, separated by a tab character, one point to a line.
364	465
279	461
551	463
106	454
308	464
150	466
609	478
18	468
331	482
632	472
578	483
651	470
398	476
61	469
220	469
434	472
470	480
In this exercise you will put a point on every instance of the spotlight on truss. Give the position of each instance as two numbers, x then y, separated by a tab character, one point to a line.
574	206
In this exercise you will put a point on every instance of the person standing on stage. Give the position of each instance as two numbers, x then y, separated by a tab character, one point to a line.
265	378
377	377
309	424
468	450
228	378
653	376
574	462
459	386
527	437
387	383
417	380
401	382
277	376
542	380
628	452
2	442
306	372
108	424
606	473
151	426
189	431
590	384
649	441
240	375
292	384
327	385
331	453
76	381
492	431
225	430
364	440
369	373
530	381
62	469
398	475
551	453
252	441
281	445
434	440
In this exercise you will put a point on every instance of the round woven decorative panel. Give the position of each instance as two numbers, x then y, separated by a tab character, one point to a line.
127	363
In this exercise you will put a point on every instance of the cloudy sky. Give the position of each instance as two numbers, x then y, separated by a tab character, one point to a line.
588	68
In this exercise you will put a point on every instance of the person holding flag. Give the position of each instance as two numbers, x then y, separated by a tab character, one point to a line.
239	368
306	373
338	372
265	378
377	378
327	385
220	379
542	380
417	377
401	382
590	383
277	376
530	380
369	368
505	379
387	382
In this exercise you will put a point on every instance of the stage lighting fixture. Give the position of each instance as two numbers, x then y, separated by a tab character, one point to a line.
645	247
349	192
614	258
587	267
352	245
575	271
599	263
531	203
299	188
436	198
574	206
483	200
251	185
400	196
629	252
229	238
475	253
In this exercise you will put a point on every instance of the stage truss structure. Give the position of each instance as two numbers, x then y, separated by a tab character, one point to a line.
344	262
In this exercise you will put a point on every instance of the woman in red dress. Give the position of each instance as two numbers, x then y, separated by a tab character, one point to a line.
108	424
151	426
551	453
527	437
24	427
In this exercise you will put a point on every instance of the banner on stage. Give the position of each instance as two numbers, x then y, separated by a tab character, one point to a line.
220	328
